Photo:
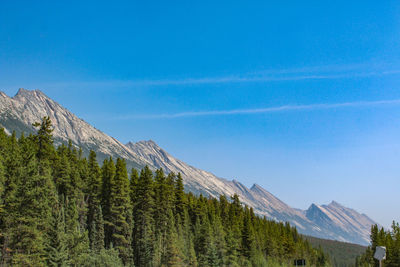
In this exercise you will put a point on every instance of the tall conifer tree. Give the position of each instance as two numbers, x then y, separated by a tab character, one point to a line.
121	212
180	198
33	202
97	231
144	221
94	196
108	173
58	252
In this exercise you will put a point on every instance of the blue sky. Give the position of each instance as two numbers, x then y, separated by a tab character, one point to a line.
301	98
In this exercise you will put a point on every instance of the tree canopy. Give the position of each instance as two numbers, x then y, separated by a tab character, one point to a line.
58	208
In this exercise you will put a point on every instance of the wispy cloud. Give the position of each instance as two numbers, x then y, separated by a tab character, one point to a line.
285	108
314	73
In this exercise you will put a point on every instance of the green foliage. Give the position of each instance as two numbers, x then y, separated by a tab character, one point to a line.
341	254
28	213
44	143
180	199
103	258
388	239
120	220
97	231
59	209
144	239
108	173
58	251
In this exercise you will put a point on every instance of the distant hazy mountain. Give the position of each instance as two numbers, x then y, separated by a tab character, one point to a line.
331	221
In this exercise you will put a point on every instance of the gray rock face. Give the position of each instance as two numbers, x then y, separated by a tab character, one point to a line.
341	223
331	221
26	107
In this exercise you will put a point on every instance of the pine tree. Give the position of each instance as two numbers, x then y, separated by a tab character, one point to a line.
2	185
12	168
321	258
108	173
180	199
44	141
34	198
31	196
121	212
62	173
219	235
94	200
172	252
77	237
97	231
164	197
203	244
134	181
79	174
58	251
160	218
186	239
234	234
144	221
395	246
248	241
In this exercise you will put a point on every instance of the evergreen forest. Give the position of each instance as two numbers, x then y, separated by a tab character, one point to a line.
381	237
59	208
341	254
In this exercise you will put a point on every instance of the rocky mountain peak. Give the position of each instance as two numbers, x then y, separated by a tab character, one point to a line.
311	207
335	204
257	187
31	94
29	106
4	95
148	147
149	143
315	213
130	143
260	191
23	91
327	221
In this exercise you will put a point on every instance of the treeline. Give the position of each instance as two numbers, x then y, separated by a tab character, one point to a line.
389	239
58	208
341	254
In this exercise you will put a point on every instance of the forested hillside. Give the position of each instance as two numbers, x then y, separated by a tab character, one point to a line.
341	254
61	209
380	237
332	221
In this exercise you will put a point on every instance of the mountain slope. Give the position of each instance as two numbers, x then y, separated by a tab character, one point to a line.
26	107
199	181
342	254
345	223
331	221
204	182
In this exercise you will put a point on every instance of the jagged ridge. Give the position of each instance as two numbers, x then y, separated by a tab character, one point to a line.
26	107
331	221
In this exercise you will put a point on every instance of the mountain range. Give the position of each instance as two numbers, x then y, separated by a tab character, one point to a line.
332	221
